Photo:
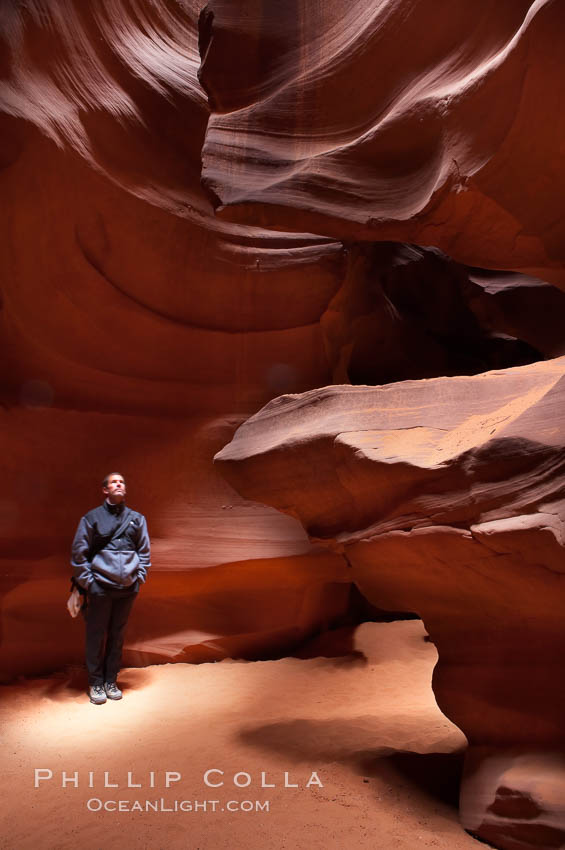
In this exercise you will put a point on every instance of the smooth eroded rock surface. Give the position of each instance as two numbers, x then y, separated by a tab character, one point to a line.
345	120
195	199
447	498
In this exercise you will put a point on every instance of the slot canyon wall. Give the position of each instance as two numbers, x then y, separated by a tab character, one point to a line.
338	228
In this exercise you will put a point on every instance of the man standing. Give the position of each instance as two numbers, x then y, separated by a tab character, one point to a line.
110	556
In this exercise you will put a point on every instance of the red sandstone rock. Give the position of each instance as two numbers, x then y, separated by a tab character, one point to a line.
526	793
228	579
137	297
524	307
137	329
343	119
447	498
409	312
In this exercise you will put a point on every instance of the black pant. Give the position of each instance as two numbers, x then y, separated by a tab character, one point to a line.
106	620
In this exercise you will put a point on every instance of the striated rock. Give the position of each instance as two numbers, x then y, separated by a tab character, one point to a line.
405	312
342	119
446	497
185	190
464	432
228	579
136	331
136	297
522	307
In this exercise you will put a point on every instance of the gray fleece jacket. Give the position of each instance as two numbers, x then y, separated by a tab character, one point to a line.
111	546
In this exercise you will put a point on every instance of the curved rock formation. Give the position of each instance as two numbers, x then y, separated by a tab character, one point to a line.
125	299
136	331
447	497
174	309
185	189
406	312
344	120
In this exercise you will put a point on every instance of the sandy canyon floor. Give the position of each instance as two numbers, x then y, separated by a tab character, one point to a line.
364	728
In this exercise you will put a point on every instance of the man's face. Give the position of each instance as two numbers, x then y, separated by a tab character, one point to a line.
115	489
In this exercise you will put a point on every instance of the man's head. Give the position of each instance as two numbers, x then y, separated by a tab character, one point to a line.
114	488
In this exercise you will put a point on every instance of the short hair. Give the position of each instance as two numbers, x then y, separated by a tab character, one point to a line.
107	477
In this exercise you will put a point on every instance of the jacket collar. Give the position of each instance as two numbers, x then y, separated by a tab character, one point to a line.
116	510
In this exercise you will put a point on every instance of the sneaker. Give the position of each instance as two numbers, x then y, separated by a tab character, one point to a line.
96	694
112	690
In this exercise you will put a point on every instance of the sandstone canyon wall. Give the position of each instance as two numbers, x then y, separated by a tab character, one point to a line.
137	332
209	206
447	497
